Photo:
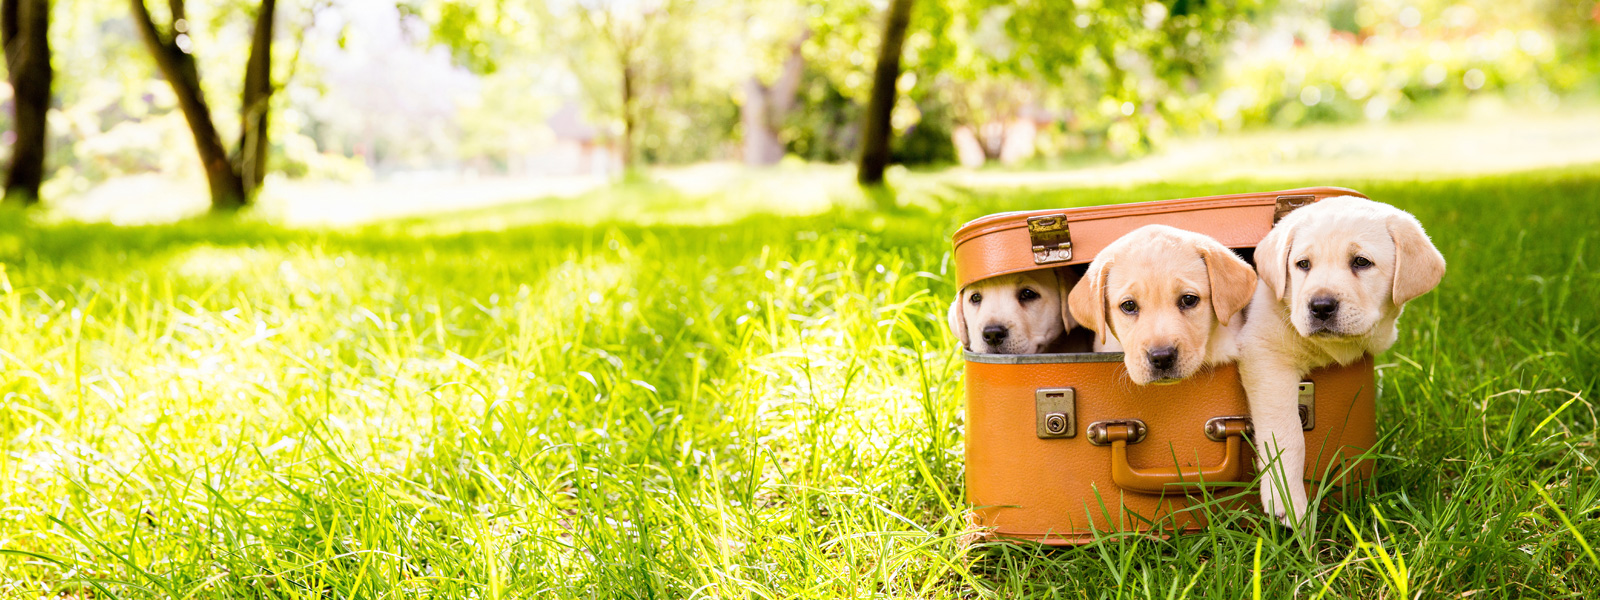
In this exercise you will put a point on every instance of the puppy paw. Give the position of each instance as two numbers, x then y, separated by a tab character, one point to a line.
1289	509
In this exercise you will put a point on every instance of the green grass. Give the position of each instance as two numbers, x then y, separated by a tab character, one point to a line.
767	408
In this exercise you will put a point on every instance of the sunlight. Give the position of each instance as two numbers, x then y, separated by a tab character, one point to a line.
651	298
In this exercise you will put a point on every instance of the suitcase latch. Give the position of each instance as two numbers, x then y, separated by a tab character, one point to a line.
1057	412
1287	204
1052	241
1099	436
1308	405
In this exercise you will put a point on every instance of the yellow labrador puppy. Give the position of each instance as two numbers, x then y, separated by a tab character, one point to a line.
1334	278
1021	313
1168	296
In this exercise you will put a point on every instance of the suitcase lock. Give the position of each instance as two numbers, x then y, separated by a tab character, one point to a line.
1286	204
1056	412
1308	405
1052	241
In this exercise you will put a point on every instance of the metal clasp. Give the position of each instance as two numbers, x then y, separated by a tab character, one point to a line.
1057	412
1052	241
1287	204
1218	428
1098	436
1308	405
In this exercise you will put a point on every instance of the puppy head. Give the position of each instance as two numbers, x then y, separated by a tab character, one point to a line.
1021	313
1162	292
1345	264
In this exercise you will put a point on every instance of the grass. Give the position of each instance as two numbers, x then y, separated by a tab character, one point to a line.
767	408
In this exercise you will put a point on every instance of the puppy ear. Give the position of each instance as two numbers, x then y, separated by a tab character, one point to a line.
1272	258
1066	281
1418	266
1233	282
1087	302
958	321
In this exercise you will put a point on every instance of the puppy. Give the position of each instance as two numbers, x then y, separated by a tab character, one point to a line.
1168	296
1334	278
1021	313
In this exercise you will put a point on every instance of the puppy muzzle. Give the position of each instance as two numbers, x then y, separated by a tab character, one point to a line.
1001	339
1327	317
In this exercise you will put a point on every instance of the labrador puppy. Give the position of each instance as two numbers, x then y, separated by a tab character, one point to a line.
1168	297
1021	313
1334	278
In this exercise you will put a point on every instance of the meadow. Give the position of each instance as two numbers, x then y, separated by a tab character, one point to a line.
502	404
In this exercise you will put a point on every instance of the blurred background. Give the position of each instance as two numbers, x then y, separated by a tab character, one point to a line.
338	111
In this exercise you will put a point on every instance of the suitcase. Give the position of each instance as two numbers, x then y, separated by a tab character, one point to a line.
1062	447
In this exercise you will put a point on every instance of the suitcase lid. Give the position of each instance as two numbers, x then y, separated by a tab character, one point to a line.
1013	242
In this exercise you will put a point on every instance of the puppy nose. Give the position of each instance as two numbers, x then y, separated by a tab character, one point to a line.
1324	307
1162	359
994	334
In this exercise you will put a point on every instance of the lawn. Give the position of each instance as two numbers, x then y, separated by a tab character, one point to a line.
495	405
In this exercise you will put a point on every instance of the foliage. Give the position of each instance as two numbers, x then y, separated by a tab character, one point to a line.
827	125
494	122
1110	64
482	35
503	44
455	86
927	142
477	407
1372	61
693	125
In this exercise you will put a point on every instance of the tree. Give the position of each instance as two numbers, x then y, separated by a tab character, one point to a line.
1123	67
988	107
619	40
234	176
765	107
877	128
24	30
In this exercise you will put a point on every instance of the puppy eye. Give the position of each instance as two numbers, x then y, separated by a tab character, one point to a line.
975	298
1304	265
1360	262
1129	307
1027	294
1188	300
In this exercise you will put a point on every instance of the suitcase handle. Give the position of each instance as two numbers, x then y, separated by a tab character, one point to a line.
1155	481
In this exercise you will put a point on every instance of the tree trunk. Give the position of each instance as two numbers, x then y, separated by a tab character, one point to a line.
765	108
761	144
877	129
24	28
627	113
991	138
255	104
179	69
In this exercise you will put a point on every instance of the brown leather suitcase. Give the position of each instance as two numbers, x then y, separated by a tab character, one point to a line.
1062	446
